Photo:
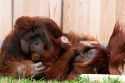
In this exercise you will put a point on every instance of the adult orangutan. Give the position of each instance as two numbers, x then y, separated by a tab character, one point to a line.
15	56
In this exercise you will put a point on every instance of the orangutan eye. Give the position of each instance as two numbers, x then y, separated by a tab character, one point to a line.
36	43
87	49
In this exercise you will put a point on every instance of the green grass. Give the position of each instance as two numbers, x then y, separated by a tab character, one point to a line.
77	80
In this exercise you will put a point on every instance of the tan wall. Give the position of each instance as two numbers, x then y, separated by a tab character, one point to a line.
5	17
93	17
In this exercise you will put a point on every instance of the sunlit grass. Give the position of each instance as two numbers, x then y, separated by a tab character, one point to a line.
77	80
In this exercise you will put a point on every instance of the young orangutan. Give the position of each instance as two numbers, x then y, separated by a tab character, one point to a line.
92	57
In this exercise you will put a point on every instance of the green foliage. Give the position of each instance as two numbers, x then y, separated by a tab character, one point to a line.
111	80
77	80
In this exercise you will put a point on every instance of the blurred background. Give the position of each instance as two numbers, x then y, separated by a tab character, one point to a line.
87	17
